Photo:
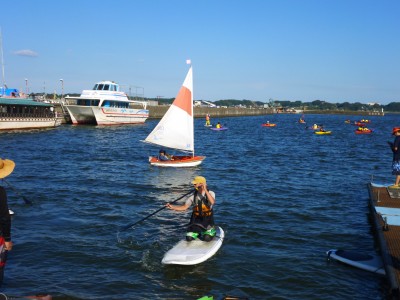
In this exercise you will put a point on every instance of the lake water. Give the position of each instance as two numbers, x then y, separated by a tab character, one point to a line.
284	197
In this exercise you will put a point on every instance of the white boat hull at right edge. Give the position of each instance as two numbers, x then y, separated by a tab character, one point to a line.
368	262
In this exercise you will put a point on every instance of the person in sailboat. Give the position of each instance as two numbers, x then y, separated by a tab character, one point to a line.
163	156
6	168
202	219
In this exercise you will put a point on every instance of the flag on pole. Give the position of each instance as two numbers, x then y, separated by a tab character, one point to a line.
188	62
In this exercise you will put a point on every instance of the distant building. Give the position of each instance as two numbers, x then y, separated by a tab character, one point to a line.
203	103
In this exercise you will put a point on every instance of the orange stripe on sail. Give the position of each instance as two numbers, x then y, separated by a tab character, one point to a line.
184	100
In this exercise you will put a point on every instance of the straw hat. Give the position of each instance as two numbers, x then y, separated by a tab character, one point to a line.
6	167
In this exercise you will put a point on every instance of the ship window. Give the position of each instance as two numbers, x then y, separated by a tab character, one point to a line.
106	87
100	87
106	103
96	86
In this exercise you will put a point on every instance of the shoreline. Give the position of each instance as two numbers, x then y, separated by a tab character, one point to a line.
157	112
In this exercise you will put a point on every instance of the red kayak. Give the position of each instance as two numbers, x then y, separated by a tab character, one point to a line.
368	131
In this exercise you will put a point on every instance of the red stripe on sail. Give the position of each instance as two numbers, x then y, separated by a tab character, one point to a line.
184	100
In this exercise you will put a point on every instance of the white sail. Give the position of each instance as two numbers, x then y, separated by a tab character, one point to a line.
175	129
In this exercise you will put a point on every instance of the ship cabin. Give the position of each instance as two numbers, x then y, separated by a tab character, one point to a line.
106	86
119	100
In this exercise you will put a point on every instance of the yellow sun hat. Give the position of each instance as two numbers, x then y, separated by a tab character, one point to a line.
6	167
199	179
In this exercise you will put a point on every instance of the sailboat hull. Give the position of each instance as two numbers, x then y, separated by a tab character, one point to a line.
180	161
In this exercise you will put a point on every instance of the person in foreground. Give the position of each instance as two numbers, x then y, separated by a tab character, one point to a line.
6	168
395	146
202	220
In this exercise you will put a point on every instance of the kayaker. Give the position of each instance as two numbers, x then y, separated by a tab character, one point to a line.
207	119
218	125
6	168
202	220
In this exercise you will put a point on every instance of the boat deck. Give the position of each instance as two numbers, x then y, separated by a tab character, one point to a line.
385	208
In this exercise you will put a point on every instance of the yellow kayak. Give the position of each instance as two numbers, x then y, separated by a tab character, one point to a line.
322	132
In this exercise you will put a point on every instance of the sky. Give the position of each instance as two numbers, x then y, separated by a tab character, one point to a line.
331	50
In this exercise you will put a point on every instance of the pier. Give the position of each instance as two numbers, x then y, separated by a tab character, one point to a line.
157	112
384	203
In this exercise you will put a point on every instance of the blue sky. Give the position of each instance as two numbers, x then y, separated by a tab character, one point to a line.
332	50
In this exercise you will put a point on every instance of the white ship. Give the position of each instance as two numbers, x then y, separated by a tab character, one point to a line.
105	104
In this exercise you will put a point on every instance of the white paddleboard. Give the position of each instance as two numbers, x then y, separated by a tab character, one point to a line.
10	212
367	262
194	252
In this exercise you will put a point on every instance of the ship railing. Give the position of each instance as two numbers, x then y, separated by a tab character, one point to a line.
24	115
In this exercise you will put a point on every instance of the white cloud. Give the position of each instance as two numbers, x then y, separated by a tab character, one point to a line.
29	53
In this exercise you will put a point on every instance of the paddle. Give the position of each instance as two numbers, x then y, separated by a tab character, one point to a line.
160	209
15	191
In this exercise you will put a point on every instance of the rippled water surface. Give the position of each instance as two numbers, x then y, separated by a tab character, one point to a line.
284	197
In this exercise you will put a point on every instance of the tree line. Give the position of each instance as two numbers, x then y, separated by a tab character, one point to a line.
286	104
313	105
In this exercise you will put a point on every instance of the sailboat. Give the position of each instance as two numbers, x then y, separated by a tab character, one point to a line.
176	129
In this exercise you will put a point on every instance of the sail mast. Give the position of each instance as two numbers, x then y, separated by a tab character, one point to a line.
2	59
189	62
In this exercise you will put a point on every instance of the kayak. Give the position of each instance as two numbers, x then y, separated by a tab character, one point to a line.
193	252
219	129
363	131
268	125
367	262
322	132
